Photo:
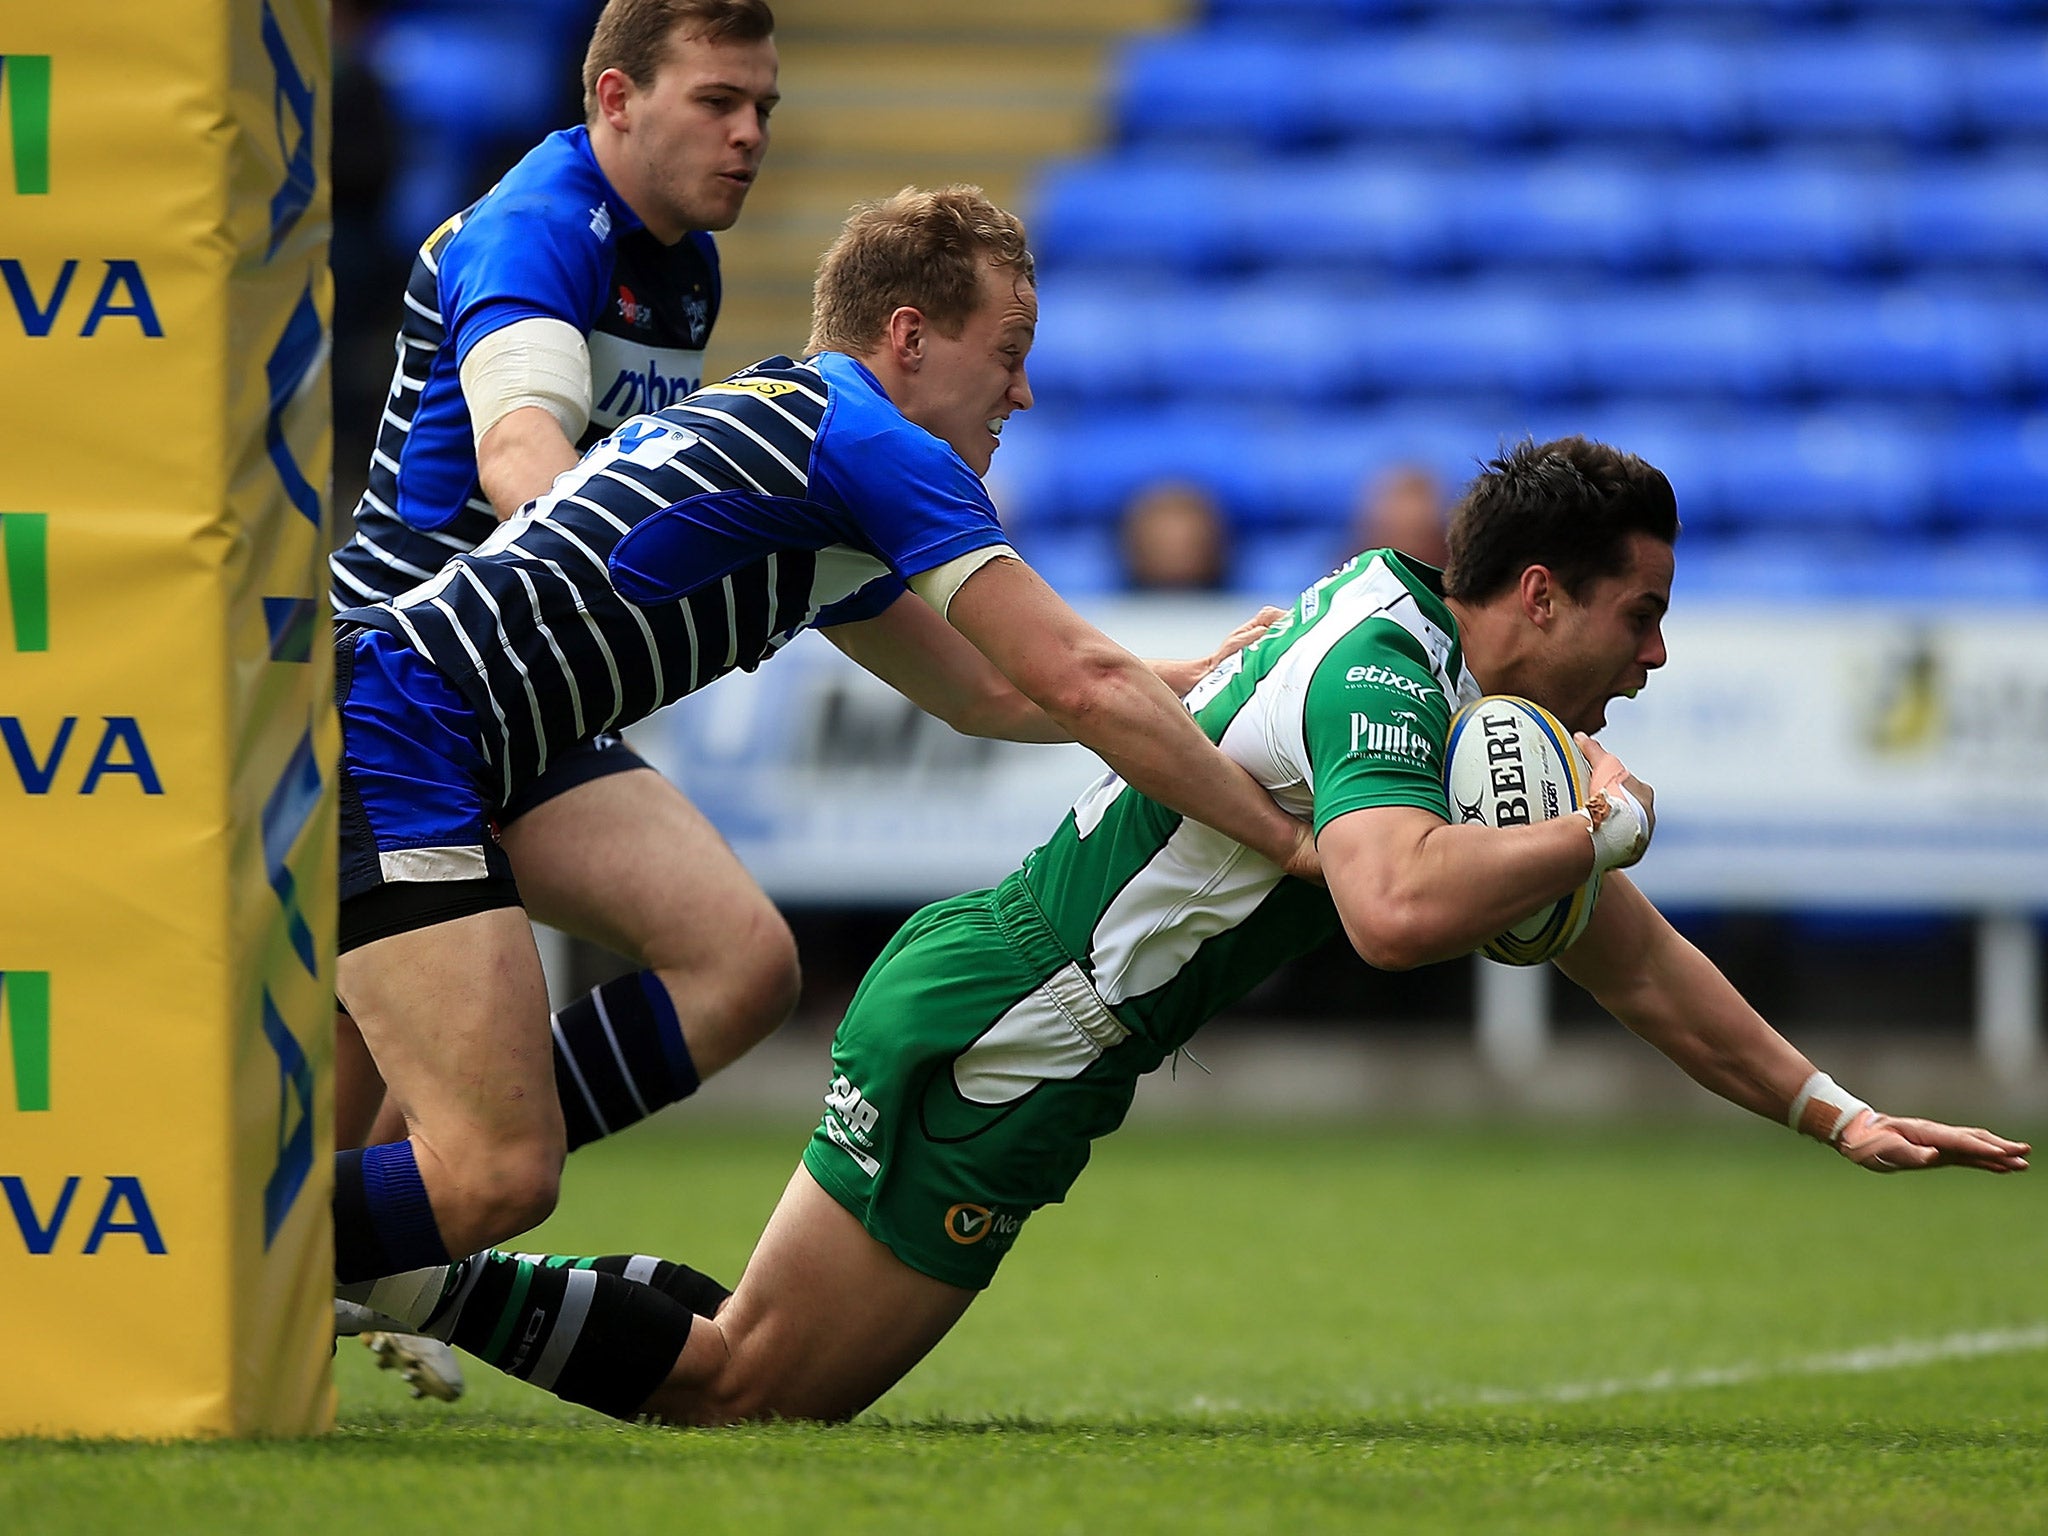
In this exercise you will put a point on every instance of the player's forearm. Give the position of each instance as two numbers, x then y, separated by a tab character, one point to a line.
1129	718
1681	1003
519	458
1448	889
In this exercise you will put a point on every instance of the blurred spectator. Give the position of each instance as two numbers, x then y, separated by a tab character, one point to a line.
1402	508
1173	539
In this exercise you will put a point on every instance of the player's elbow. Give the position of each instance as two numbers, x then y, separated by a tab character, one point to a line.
1087	684
1387	945
1392	930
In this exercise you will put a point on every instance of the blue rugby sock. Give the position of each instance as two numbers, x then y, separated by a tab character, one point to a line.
383	1222
619	1056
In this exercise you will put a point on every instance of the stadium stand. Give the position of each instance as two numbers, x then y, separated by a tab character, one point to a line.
1795	250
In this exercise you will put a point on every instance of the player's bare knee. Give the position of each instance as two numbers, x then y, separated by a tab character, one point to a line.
774	976
744	1393
513	1186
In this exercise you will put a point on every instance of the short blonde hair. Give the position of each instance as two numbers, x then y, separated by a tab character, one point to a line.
921	249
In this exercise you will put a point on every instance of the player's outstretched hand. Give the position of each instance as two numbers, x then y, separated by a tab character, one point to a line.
1890	1144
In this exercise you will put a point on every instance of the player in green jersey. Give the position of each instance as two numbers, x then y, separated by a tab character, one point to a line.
1001	1032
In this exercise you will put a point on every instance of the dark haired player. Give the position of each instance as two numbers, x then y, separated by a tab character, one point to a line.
1002	1032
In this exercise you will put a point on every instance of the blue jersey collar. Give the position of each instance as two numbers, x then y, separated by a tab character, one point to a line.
624	218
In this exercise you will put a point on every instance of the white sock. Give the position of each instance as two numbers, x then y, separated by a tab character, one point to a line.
409	1299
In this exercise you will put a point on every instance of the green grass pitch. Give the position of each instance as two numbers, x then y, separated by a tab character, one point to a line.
1429	1328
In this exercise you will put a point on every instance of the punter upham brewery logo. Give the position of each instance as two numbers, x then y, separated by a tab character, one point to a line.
632	311
1401	737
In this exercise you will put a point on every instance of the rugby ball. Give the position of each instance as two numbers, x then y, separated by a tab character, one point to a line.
1510	764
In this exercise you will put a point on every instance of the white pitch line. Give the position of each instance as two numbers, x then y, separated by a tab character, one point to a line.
1897	1355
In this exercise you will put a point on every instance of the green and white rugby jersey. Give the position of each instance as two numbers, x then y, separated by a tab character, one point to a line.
1347	703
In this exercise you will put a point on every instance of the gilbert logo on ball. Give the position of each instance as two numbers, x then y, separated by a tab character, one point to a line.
1510	763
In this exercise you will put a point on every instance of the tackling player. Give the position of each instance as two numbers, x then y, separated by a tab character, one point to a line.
579	292
1002	1032
842	493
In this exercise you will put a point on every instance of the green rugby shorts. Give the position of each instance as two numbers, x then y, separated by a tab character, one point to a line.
973	1068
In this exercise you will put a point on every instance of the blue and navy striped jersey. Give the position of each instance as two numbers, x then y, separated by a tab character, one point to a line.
690	543
552	240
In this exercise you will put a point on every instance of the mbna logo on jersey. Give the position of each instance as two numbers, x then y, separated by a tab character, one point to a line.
25	95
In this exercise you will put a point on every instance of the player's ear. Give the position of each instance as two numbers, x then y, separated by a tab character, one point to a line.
614	87
906	337
1539	595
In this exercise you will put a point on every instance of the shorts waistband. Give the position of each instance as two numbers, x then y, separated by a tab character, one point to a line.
1030	933
1025	925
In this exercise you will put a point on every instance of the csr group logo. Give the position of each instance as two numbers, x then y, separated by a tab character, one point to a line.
25	93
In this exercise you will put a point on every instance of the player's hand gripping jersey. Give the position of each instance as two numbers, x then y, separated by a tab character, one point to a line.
1002	1032
688	544
549	241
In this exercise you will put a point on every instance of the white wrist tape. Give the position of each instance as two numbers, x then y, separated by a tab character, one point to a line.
1822	1108
536	361
1621	833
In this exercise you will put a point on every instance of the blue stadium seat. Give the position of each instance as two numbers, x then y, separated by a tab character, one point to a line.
1575	210
1718	339
1099	338
1455	339
1221	86
1064	467
1992	471
1906	341
1879	84
1274	565
1269	339
1973	211
1076	560
1778	566
464	86
1136	210
1467	85
2003	85
1869	472
1409	216
1780	212
1312	12
1634	86
1315	465
1985	567
1685	440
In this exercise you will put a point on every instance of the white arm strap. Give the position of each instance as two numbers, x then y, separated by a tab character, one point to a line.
937	585
537	361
